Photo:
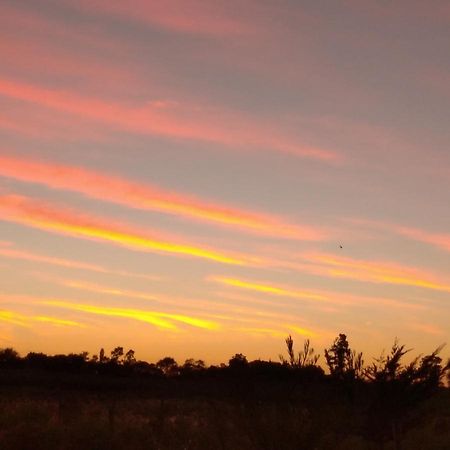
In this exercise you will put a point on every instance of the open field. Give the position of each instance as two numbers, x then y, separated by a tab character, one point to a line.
236	411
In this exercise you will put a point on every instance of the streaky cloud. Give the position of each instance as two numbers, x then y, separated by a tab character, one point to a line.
266	288
41	215
100	289
440	241
23	320
151	120
335	266
227	315
209	19
119	190
336	298
159	319
14	253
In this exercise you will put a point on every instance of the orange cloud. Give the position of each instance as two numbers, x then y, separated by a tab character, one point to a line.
40	215
260	331
12	253
281	331
206	306
325	296
266	288
28	256
180	303
301	331
11	317
372	271
276	325
159	319
26	321
143	196
57	322
185	123
211	309
96	288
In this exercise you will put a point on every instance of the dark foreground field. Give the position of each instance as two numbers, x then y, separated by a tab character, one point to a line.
116	402
67	412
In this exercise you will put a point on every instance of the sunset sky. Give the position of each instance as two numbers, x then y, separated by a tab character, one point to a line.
201	178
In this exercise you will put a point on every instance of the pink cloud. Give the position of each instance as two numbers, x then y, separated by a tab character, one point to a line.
119	190
440	241
212	18
189	122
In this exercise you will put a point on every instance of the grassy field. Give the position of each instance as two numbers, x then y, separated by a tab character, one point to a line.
271	417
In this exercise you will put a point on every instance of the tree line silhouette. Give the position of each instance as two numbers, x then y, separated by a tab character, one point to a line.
343	363
377	403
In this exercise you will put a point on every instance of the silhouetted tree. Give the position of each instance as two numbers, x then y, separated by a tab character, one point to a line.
72	362
129	357
305	358
116	354
238	361
428	371
37	360
388	368
168	366
400	388
343	362
448	372
102	358
9	357
192	365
